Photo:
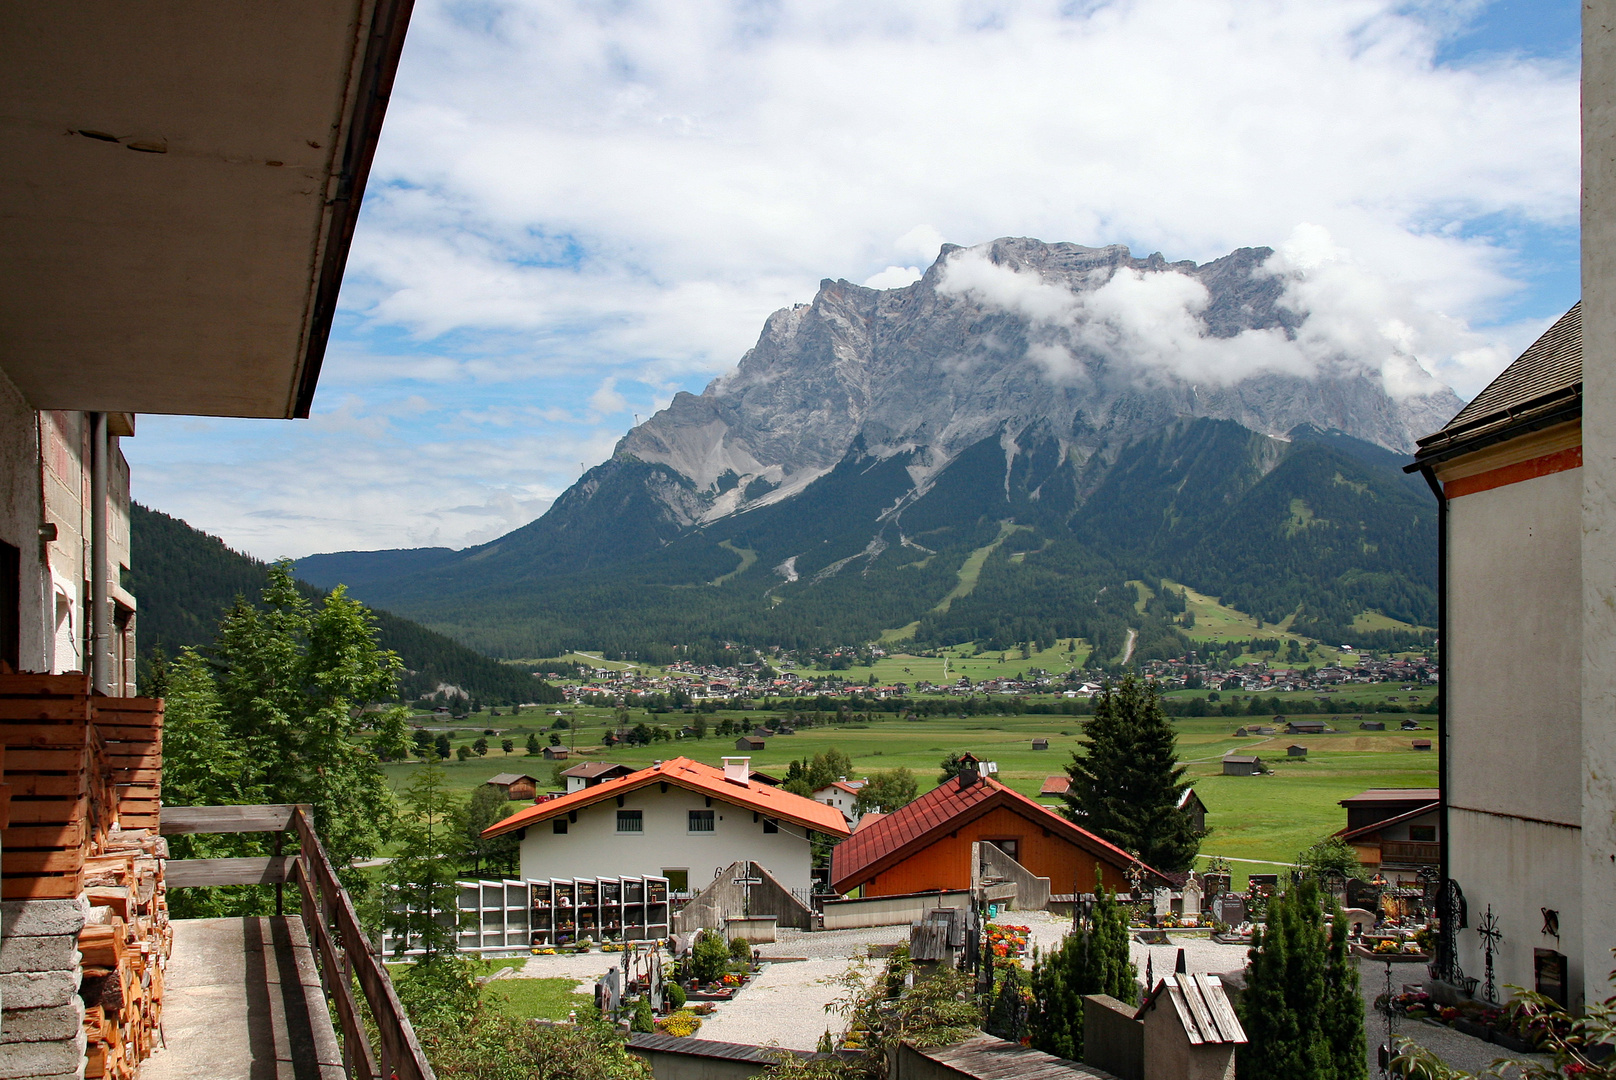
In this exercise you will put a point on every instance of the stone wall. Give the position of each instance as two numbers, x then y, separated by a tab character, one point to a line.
41	1013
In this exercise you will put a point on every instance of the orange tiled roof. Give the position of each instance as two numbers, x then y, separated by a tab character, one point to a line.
941	810
694	776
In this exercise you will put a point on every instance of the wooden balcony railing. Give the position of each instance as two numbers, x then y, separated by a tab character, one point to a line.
328	916
1410	851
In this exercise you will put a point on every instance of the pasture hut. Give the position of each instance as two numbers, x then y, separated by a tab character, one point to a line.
515	785
1296	751
1410	725
555	753
1040	744
1241	733
1422	744
1305	727
1242	765
749	742
1191	806
1372	725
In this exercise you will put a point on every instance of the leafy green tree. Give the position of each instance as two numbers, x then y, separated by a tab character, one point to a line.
1331	855
422	874
442	746
826	768
487	806
887	790
1301	1009
293	681
1093	960
481	747
1127	784
700	726
533	744
950	766
423	742
710	957
555	740
392	740
507	746
463	752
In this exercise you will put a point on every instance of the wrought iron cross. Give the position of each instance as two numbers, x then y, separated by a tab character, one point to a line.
1491	936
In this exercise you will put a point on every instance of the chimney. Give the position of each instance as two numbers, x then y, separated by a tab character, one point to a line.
738	770
968	774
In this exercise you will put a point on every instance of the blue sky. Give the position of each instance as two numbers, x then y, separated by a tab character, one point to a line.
580	208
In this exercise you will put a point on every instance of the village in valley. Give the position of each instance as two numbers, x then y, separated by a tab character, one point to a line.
1036	663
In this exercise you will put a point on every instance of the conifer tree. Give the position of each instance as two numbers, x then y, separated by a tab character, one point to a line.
533	744
425	908
1093	960
1301	1009
1127	784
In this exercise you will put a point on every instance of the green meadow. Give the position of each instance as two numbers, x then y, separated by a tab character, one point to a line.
1263	818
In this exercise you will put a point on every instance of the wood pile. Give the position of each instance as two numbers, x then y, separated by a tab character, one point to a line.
83	774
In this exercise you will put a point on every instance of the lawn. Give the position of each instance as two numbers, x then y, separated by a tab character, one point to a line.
1261	817
542	999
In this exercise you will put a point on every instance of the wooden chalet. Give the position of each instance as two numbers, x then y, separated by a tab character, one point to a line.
516	786
926	845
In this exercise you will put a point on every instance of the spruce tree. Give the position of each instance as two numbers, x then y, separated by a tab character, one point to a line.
1127	784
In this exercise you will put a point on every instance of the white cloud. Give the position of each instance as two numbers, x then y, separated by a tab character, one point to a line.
894	277
568	192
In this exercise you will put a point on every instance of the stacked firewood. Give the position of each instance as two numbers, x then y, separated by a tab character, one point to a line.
125	944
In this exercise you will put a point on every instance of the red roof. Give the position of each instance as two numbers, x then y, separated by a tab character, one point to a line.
1055	785
694	776
941	810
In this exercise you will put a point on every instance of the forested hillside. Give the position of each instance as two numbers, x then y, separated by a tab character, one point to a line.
185	579
999	549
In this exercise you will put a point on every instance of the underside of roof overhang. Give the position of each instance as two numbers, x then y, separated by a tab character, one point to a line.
178	195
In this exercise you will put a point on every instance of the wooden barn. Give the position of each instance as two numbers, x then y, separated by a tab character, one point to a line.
927	844
1242	765
515	785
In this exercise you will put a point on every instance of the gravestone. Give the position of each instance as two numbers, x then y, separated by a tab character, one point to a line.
1264	884
1231	909
1215	884
1362	894
1192	895
1161	902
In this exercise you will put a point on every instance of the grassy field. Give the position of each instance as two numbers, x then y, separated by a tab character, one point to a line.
1260	817
542	999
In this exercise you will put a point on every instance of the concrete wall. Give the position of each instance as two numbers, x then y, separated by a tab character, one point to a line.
592	846
1597	782
42	1024
1515	714
723	900
889	910
20	517
1112	1039
1032	892
1169	1054
674	1066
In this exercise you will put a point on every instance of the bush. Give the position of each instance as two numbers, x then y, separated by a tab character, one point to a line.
682	1024
740	951
643	1021
710	958
675	995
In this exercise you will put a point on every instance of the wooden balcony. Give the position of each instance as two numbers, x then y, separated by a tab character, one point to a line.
1415	852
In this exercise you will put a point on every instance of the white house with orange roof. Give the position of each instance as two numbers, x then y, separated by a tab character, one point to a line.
679	819
843	795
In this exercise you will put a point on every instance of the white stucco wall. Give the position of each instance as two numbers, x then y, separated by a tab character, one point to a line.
592	846
1515	717
1598	779
20	517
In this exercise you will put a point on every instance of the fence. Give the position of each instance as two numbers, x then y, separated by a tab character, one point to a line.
328	916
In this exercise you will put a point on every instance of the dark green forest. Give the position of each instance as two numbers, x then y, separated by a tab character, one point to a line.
185	580
1318	524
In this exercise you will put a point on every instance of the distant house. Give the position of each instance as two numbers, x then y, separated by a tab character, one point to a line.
927	845
761	733
555	753
1040	744
749	742
1395	831
1296	751
1240	733
1372	725
843	795
1055	786
515	785
1410	725
1305	727
1193	808
591	773
1242	765
1422	744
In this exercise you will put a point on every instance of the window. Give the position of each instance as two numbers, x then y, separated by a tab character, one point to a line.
559	826
701	821
1426	833
678	878
771	825
631	821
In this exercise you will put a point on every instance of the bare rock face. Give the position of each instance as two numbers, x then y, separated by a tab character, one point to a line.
1091	345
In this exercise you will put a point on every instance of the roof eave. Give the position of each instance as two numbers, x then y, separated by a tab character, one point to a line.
1548	410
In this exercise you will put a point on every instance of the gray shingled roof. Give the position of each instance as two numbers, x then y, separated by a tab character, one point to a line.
1544	381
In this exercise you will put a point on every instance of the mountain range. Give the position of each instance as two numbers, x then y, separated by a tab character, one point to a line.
990	453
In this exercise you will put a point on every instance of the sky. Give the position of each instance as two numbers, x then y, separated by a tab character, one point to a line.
582	207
